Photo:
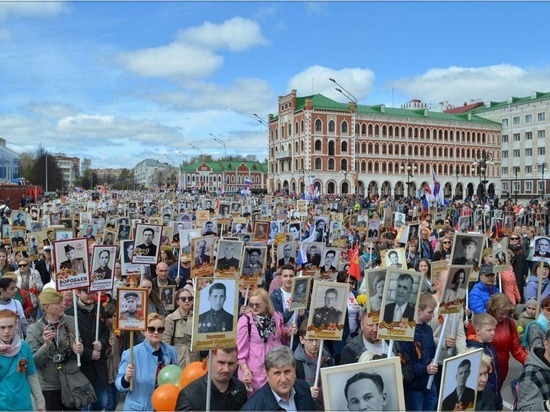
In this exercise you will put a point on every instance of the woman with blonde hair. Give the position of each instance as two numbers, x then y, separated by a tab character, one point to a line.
179	327
486	398
260	330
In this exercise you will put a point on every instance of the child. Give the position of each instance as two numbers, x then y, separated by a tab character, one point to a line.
421	353
485	325
528	315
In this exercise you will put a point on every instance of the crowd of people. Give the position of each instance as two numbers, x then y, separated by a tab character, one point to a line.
505	302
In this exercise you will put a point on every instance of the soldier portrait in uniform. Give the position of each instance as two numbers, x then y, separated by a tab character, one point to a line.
229	256
327	310
300	292
167	294
131	308
254	262
72	261
146	243
467	249
103	266
216	318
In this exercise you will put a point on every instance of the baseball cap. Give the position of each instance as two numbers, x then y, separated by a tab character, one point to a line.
487	270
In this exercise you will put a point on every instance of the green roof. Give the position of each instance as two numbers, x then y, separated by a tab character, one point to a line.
535	96
224	166
321	102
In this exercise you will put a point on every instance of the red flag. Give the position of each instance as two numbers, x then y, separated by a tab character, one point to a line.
354	263
427	188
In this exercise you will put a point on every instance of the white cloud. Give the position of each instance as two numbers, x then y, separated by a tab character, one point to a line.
315	79
31	9
460	84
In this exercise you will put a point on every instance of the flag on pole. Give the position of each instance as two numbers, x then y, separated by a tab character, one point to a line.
354	263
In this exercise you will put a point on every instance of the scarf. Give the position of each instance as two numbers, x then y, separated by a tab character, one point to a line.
266	325
12	349
87	308
4	301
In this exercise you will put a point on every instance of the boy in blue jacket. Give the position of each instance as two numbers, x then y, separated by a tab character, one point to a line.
421	353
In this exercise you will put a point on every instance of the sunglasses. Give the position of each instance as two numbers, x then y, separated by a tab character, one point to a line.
446	243
254	305
514	238
370	248
186	298
22	265
152	329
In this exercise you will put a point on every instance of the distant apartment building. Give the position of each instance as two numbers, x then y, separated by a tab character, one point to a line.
70	169
9	163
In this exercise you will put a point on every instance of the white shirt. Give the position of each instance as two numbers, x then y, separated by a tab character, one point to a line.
287	406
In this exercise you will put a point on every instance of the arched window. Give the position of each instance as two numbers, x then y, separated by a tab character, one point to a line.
318	126
370	130
331	164
363	129
302	126
318	164
344	164
363	147
344	147
331	126
344	128
363	167
331	148
318	146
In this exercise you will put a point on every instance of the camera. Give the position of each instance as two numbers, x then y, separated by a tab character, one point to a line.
58	358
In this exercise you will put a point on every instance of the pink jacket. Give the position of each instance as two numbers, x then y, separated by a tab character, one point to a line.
510	286
252	349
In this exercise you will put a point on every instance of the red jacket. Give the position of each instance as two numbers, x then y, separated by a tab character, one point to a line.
506	342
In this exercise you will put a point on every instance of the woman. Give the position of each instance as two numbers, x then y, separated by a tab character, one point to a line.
167	256
150	357
413	258
424	267
8	290
53	335
29	280
154	304
486	398
258	331
455	292
445	251
179	327
535	332
541	271
376	300
370	257
17	369
506	340
4	265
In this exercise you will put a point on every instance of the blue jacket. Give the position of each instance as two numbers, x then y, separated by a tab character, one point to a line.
531	289
479	296
424	336
263	399
145	374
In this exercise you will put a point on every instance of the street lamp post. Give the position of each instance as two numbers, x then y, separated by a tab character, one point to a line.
542	166
408	166
457	175
516	171
346	93
217	139
345	172
480	164
260	120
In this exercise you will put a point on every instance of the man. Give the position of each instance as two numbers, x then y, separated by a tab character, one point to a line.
184	271
401	308
542	248
462	398
148	248
533	386
216	319
320	226
123	232
208	229
162	278
394	259
201	257
327	315
103	260
72	261
399	219
94	359
43	266
246	211
111	224
499	256
469	247
367	340
132	303
425	247
89	232
280	297
329	259
166	217
364	391
228	261
228	393
283	391
253	266
19	220
313	257
287	256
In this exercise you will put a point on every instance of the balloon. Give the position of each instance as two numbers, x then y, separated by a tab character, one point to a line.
192	372
169	374
164	398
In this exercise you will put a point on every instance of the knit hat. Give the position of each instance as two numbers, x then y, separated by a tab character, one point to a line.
531	302
48	296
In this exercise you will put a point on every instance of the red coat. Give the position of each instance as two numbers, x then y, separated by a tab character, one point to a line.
506	342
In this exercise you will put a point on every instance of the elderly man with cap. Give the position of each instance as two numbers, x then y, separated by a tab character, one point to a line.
469	248
483	290
132	303
19	220
72	261
52	342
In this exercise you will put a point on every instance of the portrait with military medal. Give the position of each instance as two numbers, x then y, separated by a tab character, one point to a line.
328	310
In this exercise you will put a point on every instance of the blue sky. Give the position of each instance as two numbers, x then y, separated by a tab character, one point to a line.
118	82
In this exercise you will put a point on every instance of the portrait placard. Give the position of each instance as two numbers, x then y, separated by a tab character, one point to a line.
311	255
329	260
167	295
327	310
126	251
399	306
436	268
109	237
202	252
229	258
18	242
103	267
261	230
216	312
376	385
467	249
374	280
71	264
146	243
459	376
286	253
300	292
501	260
456	288
131	308
394	258
541	250
254	263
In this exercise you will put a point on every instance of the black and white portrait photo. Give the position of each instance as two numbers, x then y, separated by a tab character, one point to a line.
374	281
210	227
313	254
542	248
327	310
376	385
202	252
146	243
394	258
286	253
500	256
228	261
167	294
300	292
399	220
456	288
274	229
254	263
103	267
467	249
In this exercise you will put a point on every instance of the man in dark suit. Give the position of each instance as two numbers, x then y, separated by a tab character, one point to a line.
313	257
462	398
469	247
280	366
148	247
542	248
201	257
216	319
287	256
394	312
329	259
228	261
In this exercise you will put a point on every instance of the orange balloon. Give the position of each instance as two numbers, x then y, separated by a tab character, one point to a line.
165	397
192	372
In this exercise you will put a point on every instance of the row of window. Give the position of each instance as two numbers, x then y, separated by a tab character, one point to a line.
527	119
541	151
219	178
527	185
516	137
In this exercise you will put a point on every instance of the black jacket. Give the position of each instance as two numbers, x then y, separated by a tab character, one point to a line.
193	396
263	400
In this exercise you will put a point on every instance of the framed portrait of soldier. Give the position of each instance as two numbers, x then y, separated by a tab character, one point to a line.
19	220
126	251
501	260
131	308
399	305
311	256
215	313
167	296
202	256
18	241
467	249
103	267
463	224
209	227
399	220
146	243
458	389
286	254
376	385
109	237
184	239
394	258
299	293
541	250
328	269
374	280
456	288
124	232
71	264
261	230
327	310
228	258
254	263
